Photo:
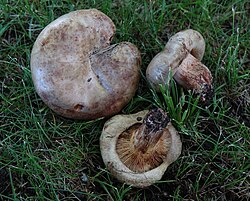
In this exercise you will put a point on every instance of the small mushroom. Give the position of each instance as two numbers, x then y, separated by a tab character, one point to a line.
76	71
182	55
138	148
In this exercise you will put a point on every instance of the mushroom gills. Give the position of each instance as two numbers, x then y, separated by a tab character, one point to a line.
144	146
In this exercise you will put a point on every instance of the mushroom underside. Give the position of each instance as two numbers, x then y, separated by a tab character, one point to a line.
129	167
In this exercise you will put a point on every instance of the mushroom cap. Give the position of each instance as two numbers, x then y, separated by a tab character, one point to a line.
108	142
75	70
176	50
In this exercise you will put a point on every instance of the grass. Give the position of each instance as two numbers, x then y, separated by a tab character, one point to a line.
46	157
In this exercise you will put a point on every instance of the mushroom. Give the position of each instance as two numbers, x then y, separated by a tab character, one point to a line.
76	71
182	57
138	148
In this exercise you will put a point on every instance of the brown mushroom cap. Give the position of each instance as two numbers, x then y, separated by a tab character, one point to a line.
75	70
182	55
146	163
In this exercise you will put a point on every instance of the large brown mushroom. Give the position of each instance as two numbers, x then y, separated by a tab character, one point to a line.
138	148
182	57
76	71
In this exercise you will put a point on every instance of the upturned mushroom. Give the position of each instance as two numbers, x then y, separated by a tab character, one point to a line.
182	57
76	71
138	148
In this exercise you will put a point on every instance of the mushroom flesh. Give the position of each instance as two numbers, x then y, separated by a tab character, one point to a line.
76	71
138	148
182	56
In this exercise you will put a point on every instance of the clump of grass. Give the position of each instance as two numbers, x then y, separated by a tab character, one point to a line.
47	157
172	98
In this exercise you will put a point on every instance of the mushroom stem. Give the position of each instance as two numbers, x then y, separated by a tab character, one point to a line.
151	130
192	74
